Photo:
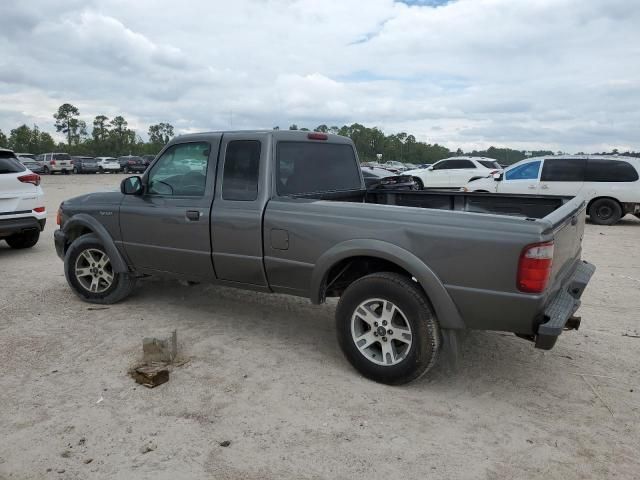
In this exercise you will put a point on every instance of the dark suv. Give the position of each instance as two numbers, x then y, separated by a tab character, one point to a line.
148	159
84	165
130	163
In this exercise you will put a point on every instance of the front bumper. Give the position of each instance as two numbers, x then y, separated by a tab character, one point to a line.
559	311
11	226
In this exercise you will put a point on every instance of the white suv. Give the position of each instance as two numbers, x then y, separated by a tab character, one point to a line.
108	164
55	162
22	211
454	172
611	184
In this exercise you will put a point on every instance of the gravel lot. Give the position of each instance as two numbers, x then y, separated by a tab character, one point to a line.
266	373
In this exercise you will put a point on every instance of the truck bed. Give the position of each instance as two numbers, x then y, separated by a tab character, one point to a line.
527	206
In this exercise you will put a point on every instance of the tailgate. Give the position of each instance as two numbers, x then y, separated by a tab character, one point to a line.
568	231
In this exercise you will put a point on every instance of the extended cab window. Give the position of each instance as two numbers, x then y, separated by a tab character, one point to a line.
241	167
527	171
309	167
563	170
180	171
610	171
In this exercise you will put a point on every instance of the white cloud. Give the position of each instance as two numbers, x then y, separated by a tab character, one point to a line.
560	74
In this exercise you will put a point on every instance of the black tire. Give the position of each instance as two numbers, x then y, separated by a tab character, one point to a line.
418	183
407	296
123	283
23	240
125	169
100	170
605	211
45	170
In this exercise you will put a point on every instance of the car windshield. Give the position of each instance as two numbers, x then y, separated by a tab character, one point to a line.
489	164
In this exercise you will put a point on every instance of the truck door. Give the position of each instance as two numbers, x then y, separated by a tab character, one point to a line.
562	176
166	228
522	179
236	218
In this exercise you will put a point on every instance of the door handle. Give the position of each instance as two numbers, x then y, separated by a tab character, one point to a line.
544	187
531	187
193	215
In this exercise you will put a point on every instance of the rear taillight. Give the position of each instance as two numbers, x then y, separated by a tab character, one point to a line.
59	216
131	162
31	178
53	162
39	209
534	267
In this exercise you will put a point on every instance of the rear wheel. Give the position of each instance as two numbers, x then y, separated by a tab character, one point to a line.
45	170
23	240
605	211
90	274
386	328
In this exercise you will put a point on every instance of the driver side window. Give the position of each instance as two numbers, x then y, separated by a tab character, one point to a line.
180	171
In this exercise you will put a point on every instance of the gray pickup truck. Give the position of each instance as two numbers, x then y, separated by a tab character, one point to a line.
287	212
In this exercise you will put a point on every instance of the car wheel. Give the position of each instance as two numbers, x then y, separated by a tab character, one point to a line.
45	170
125	169
75	170
100	170
90	274
386	328
23	240
419	183
605	211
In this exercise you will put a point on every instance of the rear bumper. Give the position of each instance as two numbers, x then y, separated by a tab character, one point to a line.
559	311
11	226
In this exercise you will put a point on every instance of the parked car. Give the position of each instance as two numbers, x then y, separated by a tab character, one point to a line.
610	184
399	166
288	212
131	163
22	211
26	155
148	159
454	172
108	165
55	163
379	178
32	165
85	165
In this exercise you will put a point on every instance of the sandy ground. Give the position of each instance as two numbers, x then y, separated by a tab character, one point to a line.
266	373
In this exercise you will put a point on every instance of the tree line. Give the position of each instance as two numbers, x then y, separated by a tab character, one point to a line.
108	137
112	136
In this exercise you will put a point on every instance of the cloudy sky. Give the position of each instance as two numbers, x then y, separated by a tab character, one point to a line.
560	74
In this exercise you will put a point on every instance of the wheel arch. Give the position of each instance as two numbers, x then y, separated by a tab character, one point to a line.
367	256
83	224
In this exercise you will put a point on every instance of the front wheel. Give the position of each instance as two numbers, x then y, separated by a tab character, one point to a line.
90	274
418	183
386	328
23	240
605	211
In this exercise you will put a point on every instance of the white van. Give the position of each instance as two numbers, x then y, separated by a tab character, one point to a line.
610	184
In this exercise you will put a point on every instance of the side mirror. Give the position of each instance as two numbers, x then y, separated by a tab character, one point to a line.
497	176
430	169
131	186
